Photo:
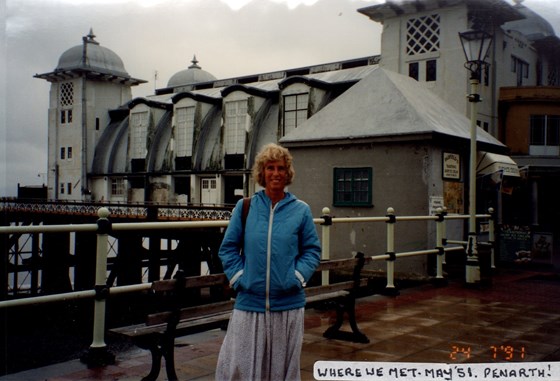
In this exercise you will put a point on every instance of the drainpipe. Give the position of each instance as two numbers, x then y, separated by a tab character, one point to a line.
83	151
56	180
534	201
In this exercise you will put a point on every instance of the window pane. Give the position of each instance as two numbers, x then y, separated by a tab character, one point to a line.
302	101
413	70
431	70
290	102
537	130
553	130
352	186
295	111
301	116
139	134
185	131
290	120
525	70
236	129
117	187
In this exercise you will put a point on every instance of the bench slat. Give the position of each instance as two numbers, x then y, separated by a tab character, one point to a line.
139	330
315	290
191	312
222	316
335	264
191	282
220	279
330	295
201	310
130	330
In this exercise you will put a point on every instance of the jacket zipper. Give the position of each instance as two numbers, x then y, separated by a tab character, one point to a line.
268	256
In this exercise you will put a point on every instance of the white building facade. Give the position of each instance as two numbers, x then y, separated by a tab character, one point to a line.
88	81
421	39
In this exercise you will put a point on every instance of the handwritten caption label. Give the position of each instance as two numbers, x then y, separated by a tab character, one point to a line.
395	371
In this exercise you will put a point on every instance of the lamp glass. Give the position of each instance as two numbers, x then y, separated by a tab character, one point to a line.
475	45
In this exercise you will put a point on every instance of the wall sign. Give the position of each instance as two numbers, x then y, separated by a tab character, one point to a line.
451	166
435	203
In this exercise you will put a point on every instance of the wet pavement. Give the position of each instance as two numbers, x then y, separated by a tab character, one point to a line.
515	319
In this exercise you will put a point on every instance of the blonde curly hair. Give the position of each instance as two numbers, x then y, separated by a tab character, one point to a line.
272	152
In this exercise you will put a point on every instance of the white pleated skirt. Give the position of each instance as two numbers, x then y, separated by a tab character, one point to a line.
262	346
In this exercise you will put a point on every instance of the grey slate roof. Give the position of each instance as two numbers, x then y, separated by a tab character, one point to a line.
385	104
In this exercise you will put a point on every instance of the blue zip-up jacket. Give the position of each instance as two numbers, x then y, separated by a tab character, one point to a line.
281	252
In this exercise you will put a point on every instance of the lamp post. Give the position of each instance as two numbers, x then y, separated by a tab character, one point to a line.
475	45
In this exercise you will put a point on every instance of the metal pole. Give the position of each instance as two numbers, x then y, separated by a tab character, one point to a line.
326	242
472	270
98	354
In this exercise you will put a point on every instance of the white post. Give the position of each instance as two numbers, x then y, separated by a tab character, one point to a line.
390	288
444	233
98	354
491	236
326	242
439	280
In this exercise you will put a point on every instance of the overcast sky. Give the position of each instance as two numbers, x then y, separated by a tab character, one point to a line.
229	37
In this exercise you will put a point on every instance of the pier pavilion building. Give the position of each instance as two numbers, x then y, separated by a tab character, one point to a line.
193	142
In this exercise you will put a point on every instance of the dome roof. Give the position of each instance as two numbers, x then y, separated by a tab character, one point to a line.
533	26
194	74
98	58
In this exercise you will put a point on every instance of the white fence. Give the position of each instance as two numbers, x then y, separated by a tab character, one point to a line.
103	227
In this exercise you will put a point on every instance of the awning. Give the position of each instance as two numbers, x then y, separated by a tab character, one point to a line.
489	163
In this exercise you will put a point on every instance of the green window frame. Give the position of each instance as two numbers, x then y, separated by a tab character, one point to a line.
352	186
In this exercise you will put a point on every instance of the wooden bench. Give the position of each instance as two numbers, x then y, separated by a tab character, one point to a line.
343	294
159	331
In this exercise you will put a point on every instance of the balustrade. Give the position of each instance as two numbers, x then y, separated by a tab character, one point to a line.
104	228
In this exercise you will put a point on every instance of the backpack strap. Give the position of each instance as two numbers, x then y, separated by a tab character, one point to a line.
245	210
246	205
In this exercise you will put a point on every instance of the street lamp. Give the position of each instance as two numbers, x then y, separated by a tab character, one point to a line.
475	45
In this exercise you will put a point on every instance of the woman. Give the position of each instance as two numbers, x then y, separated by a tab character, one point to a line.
280	252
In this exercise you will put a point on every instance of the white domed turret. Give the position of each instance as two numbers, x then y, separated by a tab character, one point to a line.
88	82
533	26
91	59
194	74
96	58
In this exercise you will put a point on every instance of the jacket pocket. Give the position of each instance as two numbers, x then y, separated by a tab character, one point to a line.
300	278
235	280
